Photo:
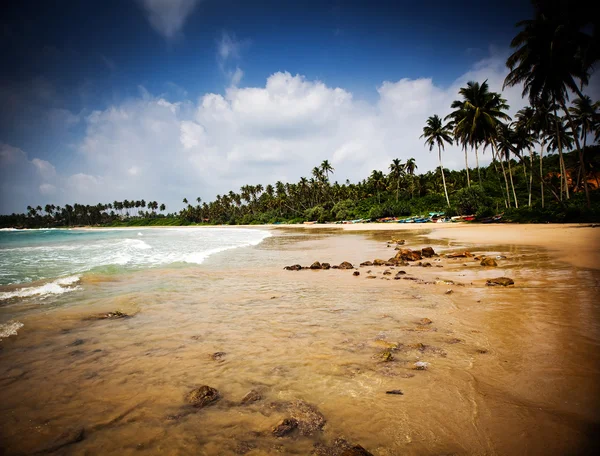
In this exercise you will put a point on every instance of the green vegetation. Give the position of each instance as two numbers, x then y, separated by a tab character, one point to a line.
553	59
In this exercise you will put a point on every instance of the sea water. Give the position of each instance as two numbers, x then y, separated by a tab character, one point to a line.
51	261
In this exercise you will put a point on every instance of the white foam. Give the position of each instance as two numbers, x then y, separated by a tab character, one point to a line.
59	286
10	329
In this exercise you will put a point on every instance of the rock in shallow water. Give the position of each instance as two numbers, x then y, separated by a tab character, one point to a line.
356	273
294	267
251	396
345	265
203	396
427	252
500	281
488	262
286	427
316	265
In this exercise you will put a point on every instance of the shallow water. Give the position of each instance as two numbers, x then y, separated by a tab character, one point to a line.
511	371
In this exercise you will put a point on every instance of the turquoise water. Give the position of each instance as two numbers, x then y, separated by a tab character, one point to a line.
62	255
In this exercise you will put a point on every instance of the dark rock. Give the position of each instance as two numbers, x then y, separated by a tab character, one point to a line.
356	273
427	252
500	281
286	427
387	272
308	417
203	396
371	277
398	392
481	351
356	450
385	356
345	265
217	356
459	255
366	263
340	447
378	262
488	262
390	263
426	265
335	266
316	265
408	255
325	265
294	267
251	396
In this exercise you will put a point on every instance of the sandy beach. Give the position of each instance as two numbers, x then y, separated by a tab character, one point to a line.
476	369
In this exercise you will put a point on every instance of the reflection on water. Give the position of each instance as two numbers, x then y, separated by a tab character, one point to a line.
511	371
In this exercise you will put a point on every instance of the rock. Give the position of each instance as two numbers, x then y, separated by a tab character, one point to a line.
340	447
316	265
481	351
378	262
325	266
408	255
399	273
426	265
366	263
427	252
398	392
294	267
356	450
500	257
356	273
387	272
420	365
385	356
500	281
448	292
67	438
488	262
309	419
335	266
244	447
425	321
459	255
203	396
390	263
455	341
371	277
251	396
217	356
286	427
346	265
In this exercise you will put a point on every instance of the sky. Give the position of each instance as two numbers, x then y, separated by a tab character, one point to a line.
165	99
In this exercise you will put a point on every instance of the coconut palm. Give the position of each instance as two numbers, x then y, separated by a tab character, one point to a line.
585	115
396	171
436	133
554	56
475	118
326	168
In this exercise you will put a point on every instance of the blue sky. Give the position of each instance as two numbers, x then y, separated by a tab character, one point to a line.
157	99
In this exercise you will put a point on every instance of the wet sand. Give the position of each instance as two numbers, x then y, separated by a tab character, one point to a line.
511	370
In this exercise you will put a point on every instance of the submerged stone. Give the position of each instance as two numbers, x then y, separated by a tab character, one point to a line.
488	262
356	273
316	265
203	396
286	427
378	262
345	265
251	396
294	267
500	281
217	356
397	392
427	252
309	418
367	263
325	266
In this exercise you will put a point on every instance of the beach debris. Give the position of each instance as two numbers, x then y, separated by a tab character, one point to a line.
408	255
316	265
203	396
459	255
345	265
294	267
397	392
325	266
420	365
500	281
425	321
427	252
378	262
287	426
488	262
251	396
340	447
356	273
367	263
217	356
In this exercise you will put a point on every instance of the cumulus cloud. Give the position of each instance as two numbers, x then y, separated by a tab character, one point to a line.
152	148
168	17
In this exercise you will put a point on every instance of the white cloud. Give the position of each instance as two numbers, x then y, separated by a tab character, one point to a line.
168	17
151	148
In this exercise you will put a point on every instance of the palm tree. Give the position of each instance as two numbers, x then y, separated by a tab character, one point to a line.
410	167
585	116
505	140
326	168
553	57
475	118
396	171
436	133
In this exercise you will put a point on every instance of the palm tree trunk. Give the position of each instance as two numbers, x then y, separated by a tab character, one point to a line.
477	164
503	173
443	177
542	172
530	175
563	175
512	184
397	188
467	168
581	152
